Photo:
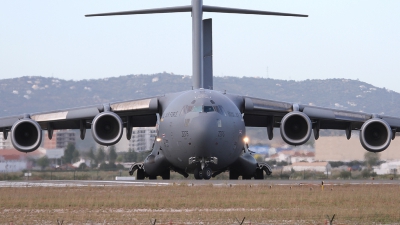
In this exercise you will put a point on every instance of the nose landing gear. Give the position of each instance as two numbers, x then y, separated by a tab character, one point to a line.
198	174
203	171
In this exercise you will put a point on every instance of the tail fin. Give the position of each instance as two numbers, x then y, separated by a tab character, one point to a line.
201	34
207	54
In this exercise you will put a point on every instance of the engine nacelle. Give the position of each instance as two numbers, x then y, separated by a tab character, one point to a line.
296	128
26	135
375	135
107	128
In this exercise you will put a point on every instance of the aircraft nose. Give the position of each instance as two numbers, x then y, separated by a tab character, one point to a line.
203	131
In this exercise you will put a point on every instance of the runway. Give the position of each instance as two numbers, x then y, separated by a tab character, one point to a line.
216	183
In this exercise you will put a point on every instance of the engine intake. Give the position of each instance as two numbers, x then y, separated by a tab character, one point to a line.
296	128
107	128
375	135
26	135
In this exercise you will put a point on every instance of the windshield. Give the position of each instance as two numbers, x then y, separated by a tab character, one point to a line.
208	109
197	108
201	108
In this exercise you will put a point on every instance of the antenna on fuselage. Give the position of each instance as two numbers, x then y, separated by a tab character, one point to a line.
201	34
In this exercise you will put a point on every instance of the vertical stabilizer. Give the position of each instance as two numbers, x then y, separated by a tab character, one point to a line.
207	55
197	43
201	34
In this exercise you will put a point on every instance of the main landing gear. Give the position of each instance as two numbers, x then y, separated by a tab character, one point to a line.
258	174
141	173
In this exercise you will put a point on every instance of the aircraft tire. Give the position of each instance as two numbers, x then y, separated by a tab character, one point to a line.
140	174
207	173
152	177
233	175
246	177
198	174
259	174
166	175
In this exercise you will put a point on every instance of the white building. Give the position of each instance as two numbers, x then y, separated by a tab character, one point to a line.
292	156
64	137
324	167
55	155
142	138
302	157
12	163
388	168
5	144
12	160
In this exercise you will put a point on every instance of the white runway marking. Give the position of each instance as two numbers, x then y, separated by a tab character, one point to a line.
72	183
215	183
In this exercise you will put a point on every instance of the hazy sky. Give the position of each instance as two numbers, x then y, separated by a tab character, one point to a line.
339	39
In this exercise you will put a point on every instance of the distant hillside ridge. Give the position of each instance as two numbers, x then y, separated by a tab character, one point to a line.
31	94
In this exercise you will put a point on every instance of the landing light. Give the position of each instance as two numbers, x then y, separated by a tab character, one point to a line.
246	140
158	139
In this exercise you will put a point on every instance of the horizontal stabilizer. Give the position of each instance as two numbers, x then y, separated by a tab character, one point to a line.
207	8
202	62
187	8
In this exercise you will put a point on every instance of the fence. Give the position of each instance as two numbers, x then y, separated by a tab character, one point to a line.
111	174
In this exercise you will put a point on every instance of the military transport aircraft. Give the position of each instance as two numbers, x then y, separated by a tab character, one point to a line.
200	131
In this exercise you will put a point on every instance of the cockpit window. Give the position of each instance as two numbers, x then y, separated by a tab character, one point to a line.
219	109
200	108
208	109
197	108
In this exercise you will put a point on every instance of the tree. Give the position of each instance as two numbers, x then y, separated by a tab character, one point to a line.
336	163
130	156
76	155
345	174
120	158
70	153
93	158
368	173
107	166
101	155
82	166
371	159
112	155
43	162
91	154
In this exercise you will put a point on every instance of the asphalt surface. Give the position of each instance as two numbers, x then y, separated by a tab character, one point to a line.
84	183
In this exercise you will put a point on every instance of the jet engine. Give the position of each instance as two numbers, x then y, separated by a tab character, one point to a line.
296	128
107	128
26	135
375	135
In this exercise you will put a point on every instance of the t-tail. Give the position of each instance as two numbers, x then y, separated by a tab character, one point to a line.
201	34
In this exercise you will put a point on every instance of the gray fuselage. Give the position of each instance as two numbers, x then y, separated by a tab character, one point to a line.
202	124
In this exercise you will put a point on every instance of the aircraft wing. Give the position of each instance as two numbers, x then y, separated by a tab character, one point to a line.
133	113
268	113
256	108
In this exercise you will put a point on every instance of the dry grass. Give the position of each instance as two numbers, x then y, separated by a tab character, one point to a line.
186	204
